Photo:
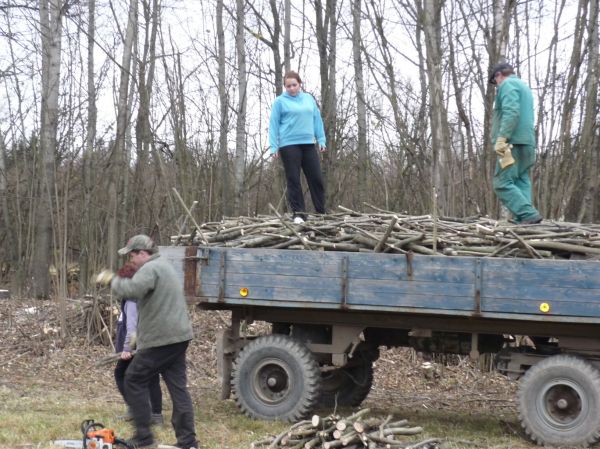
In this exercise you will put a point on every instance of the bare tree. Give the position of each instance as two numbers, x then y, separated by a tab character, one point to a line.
146	66
361	110
51	13
240	140
566	183
326	30
589	134
88	152
430	12
287	28
118	167
497	43
226	198
4	198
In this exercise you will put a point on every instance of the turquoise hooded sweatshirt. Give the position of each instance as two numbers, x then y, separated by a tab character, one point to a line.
295	120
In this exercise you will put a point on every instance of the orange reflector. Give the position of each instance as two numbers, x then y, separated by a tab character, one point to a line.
244	292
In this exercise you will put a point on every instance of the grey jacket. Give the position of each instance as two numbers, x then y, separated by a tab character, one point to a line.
162	309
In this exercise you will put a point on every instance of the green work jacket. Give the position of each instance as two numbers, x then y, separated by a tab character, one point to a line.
163	317
513	113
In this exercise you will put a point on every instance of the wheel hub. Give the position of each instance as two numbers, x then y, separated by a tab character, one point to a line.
563	404
271	381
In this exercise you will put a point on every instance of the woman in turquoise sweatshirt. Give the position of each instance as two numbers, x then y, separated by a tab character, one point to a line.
294	128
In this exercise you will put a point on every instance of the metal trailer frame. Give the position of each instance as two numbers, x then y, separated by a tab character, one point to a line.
339	304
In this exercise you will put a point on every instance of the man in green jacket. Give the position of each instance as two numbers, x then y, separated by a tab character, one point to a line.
513	137
164	332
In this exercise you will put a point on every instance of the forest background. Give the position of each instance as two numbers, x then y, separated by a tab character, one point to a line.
108	106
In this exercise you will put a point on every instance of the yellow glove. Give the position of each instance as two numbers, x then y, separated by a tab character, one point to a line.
104	277
507	159
503	150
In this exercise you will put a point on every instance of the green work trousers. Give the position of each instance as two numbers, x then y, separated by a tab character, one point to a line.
512	184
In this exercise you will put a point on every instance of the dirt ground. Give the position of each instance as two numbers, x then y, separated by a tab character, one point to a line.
32	353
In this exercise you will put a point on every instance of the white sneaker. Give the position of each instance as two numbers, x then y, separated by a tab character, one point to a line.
298	220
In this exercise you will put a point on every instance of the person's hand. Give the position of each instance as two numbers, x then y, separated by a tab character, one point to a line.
126	355
104	277
503	150
507	159
322	148
275	155
501	146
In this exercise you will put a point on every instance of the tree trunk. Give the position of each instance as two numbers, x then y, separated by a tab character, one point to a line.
118	156
361	110
287	43
430	13
240	140
589	133
51	34
566	183
226	200
6	221
144	138
326	28
497	45
87	220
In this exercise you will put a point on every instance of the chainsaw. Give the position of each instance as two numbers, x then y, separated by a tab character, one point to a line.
95	436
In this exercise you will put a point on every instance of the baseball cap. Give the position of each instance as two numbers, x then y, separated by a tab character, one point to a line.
136	243
501	67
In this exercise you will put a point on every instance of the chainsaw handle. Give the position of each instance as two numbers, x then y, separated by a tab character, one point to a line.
86	426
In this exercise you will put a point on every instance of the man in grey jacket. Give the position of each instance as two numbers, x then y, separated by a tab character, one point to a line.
163	334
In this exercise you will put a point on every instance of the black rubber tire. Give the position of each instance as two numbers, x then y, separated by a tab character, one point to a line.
559	402
276	377
348	386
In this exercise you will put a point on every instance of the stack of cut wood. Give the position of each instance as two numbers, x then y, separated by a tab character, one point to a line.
389	232
352	432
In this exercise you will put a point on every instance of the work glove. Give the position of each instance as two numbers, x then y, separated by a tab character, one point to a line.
104	277
503	150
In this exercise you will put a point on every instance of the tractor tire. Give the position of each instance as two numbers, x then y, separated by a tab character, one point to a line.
559	402
347	386
275	377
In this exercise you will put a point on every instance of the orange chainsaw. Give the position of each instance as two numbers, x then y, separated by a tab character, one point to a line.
95	436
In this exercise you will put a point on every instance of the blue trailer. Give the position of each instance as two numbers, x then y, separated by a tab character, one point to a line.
331	311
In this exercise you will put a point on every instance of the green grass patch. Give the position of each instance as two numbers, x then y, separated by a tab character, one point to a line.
33	417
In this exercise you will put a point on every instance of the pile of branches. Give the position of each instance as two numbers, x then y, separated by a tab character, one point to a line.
352	432
388	232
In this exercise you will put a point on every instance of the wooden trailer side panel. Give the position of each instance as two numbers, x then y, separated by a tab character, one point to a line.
551	290
541	287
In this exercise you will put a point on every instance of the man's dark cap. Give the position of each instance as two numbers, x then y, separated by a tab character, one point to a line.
501	67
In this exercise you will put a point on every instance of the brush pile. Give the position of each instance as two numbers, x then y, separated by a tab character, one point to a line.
389	232
352	432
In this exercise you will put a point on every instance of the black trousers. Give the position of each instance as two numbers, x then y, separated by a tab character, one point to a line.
153	386
303	157
169	361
